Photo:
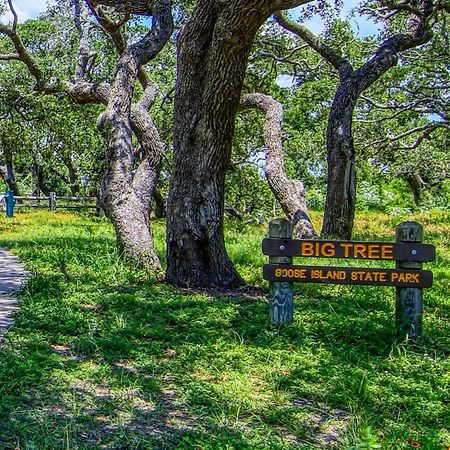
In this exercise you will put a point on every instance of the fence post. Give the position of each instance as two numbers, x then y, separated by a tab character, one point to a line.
281	293
409	301
52	201
10	202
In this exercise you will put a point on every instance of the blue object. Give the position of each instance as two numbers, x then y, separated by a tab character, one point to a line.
10	202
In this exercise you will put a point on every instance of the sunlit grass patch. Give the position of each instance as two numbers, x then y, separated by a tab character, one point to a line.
101	356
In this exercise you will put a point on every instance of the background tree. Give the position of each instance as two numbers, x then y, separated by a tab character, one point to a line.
127	185
341	180
405	125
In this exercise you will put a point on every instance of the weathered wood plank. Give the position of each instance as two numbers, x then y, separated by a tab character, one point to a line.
21	197
409	301
281	293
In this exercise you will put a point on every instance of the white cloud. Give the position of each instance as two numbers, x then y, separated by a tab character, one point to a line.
28	9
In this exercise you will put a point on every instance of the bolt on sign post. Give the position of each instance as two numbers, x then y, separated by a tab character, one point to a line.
408	252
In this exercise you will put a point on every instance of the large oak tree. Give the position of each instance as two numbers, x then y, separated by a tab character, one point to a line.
213	50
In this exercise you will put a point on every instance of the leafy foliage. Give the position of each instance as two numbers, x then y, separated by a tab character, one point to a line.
414	95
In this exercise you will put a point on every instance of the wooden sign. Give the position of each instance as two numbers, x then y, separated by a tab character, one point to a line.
349	249
408	276
348	275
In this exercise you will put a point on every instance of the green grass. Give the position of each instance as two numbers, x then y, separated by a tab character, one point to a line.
102	357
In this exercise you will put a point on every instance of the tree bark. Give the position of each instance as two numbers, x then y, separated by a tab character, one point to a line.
290	194
125	197
39	184
213	50
7	173
122	188
416	184
341	176
212	55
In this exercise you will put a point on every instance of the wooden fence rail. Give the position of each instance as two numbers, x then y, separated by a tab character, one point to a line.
10	201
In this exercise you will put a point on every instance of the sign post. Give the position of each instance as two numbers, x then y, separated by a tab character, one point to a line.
10	202
409	300
52	201
281	293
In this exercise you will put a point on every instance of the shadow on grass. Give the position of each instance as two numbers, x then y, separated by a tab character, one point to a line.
83	376
84	365
98	362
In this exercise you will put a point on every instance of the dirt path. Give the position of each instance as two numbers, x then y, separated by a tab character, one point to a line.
12	279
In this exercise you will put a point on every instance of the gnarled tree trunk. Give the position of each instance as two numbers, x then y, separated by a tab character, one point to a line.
289	193
7	173
416	184
126	191
126	196
341	177
213	50
341	187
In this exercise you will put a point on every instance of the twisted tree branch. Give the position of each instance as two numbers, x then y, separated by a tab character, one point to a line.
289	193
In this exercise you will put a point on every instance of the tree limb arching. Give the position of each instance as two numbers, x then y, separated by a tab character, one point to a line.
113	30
327	53
143	7
289	193
22	53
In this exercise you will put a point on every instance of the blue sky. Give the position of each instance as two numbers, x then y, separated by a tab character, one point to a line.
31	8
361	25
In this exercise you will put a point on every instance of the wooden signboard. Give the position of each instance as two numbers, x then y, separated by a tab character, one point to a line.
348	275
349	250
407	251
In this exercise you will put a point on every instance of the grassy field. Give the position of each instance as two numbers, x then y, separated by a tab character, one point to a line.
102	357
